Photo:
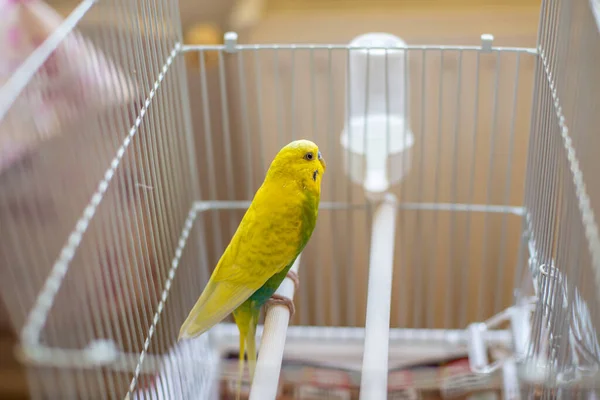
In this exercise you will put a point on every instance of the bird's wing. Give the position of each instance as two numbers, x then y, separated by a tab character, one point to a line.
218	300
247	263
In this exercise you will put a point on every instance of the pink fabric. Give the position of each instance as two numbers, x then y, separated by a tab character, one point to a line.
14	36
75	79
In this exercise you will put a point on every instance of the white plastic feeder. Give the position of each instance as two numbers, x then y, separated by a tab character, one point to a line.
377	113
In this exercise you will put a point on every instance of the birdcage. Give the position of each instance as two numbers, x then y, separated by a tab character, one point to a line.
128	158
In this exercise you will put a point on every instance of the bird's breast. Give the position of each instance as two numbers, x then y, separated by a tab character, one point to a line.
286	225
281	214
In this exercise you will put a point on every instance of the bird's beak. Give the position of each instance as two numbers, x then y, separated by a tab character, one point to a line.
323	164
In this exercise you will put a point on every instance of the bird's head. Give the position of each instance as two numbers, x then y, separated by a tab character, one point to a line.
300	161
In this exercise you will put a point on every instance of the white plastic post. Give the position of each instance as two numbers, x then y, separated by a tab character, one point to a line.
378	141
510	382
373	385
268	364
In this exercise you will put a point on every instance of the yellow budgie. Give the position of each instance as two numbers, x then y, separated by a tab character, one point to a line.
271	235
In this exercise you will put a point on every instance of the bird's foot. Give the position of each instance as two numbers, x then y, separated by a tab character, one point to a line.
279	299
294	277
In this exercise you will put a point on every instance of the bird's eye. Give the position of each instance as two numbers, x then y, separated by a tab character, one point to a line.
308	156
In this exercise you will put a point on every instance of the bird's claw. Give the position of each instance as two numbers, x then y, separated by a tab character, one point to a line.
294	277
279	299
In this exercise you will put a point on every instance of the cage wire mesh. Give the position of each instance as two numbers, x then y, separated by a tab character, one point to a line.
122	194
95	215
562	200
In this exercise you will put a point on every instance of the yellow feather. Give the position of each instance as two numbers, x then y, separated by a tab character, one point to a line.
246	319
240	366
217	301
251	344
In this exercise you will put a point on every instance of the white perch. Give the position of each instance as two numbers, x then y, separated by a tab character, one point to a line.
373	384
270	355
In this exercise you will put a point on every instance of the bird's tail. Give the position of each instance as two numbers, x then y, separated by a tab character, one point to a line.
251	344
246	319
241	365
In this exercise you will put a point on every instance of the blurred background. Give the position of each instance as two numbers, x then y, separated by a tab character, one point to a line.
512	22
